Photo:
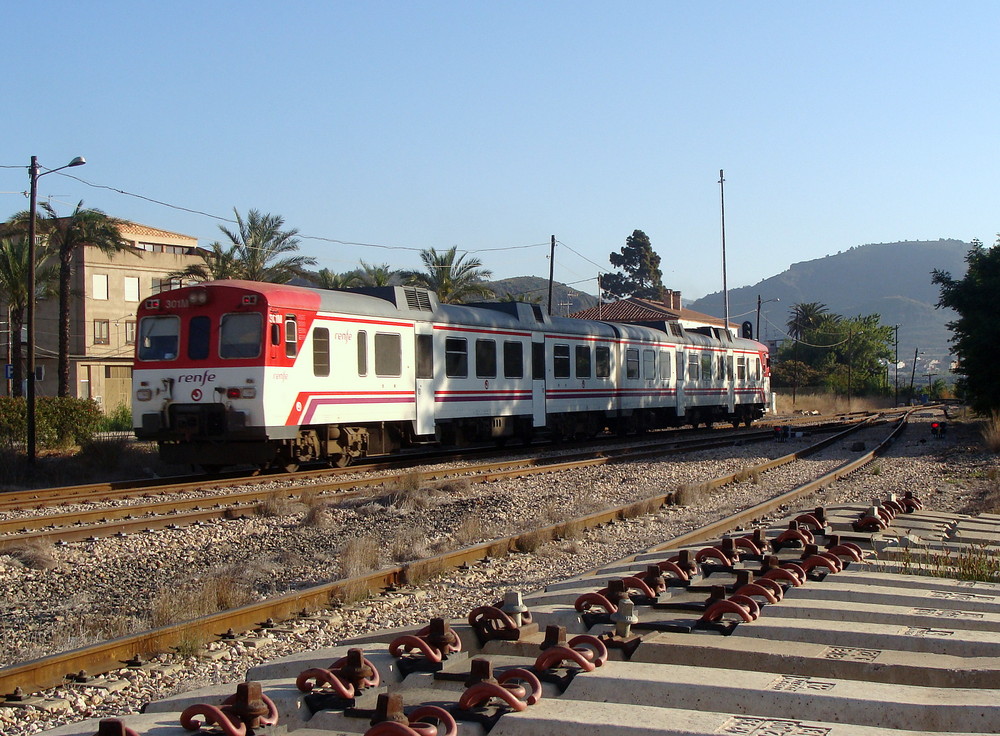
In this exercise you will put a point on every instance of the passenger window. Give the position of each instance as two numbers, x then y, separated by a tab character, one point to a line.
694	361
513	360
741	367
602	354
706	366
291	337
388	354
456	357
583	361
362	353
560	361
159	338
199	336
240	335
649	364
665	361
632	363
321	351
486	358
425	356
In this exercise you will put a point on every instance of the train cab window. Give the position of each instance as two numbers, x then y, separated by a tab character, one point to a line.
741	367
199	334
602	356
486	358
159	338
560	361
425	356
388	354
583	361
694	364
513	360
362	353
456	357
757	373
240	335
321	351
649	364
706	366
291	337
632	363
538	361
665	361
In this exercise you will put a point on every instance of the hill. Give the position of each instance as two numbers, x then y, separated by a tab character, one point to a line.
889	279
565	299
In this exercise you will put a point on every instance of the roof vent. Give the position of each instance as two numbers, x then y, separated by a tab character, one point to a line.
417	299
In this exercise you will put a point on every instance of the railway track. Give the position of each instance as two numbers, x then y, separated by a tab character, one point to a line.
202	507
49	671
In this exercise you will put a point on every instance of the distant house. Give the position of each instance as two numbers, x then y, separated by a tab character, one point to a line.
634	309
105	295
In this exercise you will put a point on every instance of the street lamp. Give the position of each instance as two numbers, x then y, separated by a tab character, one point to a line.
759	302
34	174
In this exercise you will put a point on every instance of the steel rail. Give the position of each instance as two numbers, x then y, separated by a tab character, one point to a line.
52	670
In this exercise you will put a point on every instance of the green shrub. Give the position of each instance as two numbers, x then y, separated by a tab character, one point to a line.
59	422
118	419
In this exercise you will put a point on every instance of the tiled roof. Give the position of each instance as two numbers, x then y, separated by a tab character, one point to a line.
134	228
634	309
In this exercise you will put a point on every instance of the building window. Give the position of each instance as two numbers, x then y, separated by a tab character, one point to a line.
102	332
131	288
130	332
100	281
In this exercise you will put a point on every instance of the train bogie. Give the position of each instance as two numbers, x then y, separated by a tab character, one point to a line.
235	372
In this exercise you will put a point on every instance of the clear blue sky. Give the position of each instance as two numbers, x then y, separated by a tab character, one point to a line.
495	125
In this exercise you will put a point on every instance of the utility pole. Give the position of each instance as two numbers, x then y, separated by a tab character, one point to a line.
600	300
913	373
725	288
552	266
896	401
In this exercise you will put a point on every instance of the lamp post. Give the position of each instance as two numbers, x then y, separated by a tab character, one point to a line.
759	302
34	174
913	373
896	400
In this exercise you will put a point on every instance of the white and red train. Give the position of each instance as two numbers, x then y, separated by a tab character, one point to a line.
234	372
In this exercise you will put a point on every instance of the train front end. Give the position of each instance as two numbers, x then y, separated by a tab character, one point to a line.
197	381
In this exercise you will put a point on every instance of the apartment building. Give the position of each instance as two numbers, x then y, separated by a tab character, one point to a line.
105	295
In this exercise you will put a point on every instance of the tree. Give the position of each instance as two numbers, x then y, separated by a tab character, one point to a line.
376	275
327	279
642	276
454	278
976	332
805	316
258	250
14	283
65	235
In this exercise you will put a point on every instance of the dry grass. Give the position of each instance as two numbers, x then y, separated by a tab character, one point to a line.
531	541
825	403
317	516
410	544
470	531
358	556
275	505
690	494
748	474
981	564
454	486
35	554
352	592
991	433
220	589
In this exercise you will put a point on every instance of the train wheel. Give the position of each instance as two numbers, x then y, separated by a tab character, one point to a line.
340	461
288	466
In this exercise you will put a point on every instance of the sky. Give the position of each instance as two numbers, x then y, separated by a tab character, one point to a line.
382	128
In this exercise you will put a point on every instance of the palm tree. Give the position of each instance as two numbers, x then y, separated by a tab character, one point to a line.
261	247
327	279
372	275
14	283
65	235
219	263
454	279
806	316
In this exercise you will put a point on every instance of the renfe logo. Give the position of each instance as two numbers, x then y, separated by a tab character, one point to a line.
199	378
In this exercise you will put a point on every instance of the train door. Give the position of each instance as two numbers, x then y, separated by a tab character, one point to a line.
424	377
681	381
538	379
730	384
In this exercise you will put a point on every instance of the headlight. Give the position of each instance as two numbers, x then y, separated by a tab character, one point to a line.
248	392
143	394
